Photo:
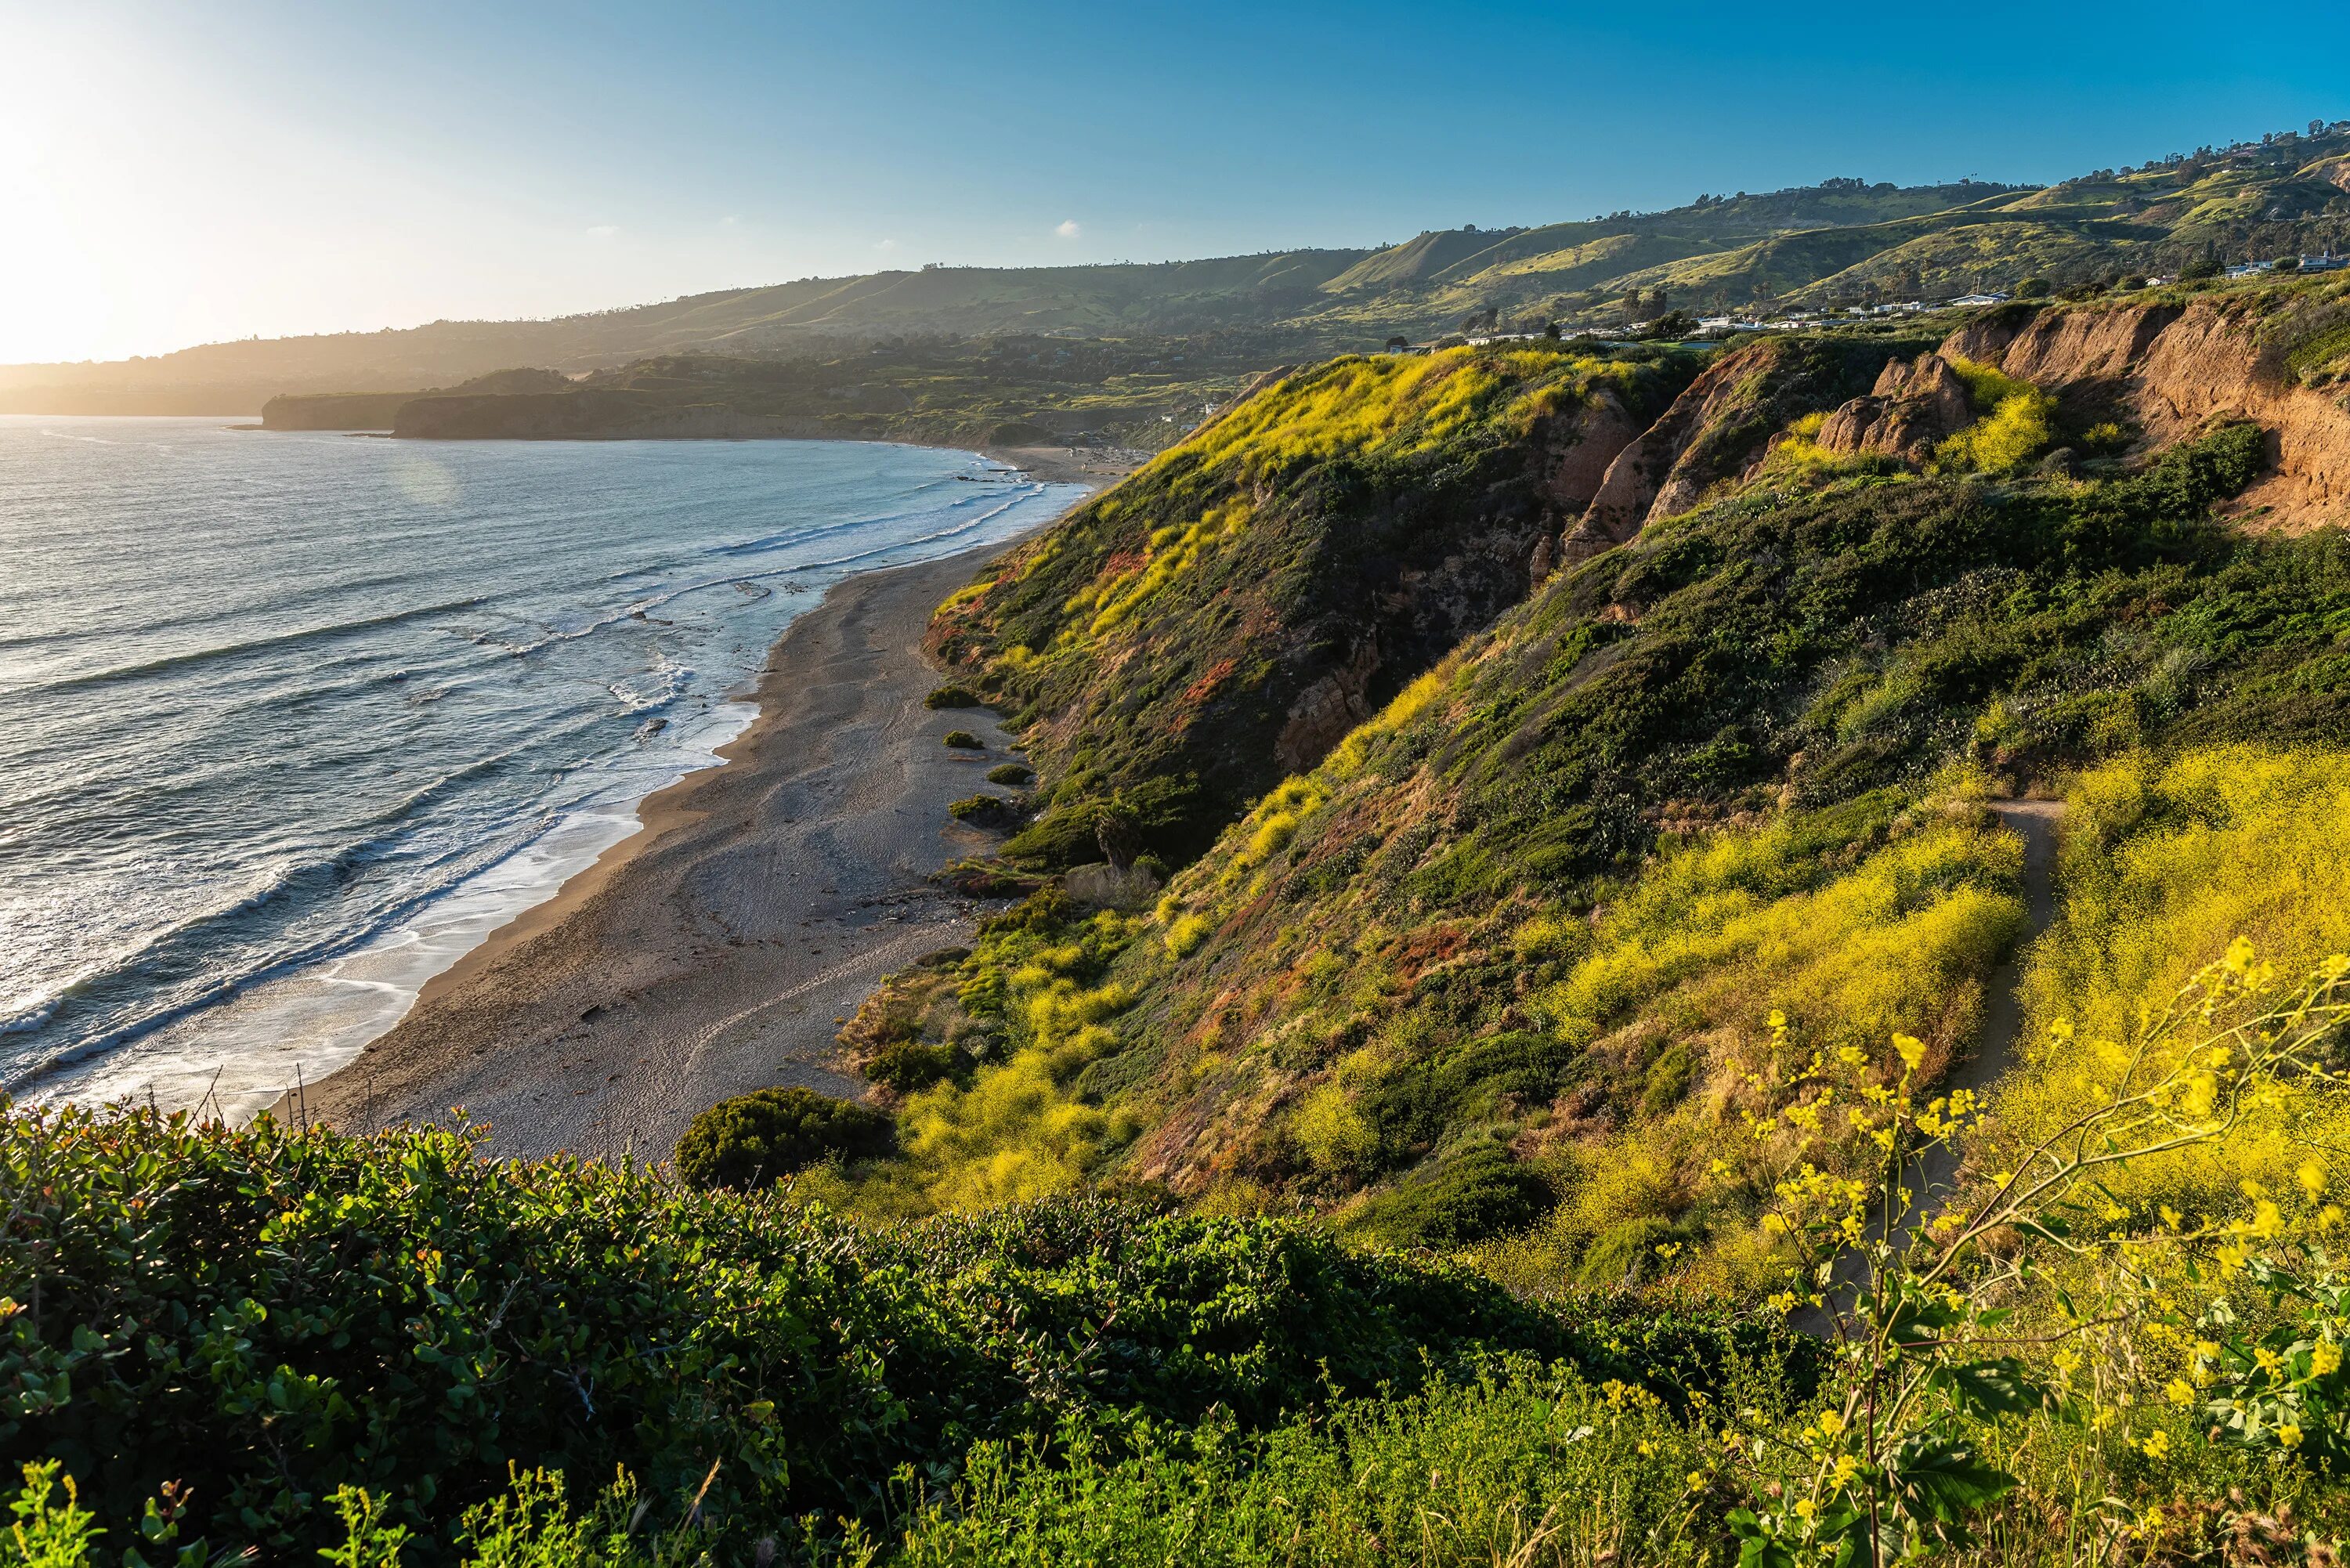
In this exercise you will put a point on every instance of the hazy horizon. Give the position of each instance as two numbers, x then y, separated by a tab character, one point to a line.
175	183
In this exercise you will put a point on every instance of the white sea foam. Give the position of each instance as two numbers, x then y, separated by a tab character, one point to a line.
278	765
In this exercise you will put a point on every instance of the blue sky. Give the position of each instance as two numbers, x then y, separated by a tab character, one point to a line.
181	174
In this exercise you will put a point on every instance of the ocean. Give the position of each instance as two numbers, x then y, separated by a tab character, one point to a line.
289	722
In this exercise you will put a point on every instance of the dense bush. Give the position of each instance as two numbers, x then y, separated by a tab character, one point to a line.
963	741
1480	1194
265	1315
907	1067
953	696
985	810
756	1139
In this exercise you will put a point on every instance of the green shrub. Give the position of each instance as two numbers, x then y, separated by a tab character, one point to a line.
265	1315
1624	1255
1507	1464
1480	1194
756	1139
1013	773
909	1067
953	696
964	740
985	810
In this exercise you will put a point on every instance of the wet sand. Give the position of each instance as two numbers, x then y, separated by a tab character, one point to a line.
711	952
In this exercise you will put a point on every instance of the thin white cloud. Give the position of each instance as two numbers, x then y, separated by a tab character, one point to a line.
602	231
884	246
1068	229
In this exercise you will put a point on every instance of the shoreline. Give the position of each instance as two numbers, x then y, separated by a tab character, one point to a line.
1096	466
709	951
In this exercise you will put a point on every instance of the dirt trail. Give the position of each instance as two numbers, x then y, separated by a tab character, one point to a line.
1935	1168
1931	1175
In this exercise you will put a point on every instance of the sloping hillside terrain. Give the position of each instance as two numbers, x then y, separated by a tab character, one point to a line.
1185	642
1501	955
1843	241
1530	860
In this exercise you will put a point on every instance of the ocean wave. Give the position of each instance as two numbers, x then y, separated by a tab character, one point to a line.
957	531
100	630
831	530
164	663
205	936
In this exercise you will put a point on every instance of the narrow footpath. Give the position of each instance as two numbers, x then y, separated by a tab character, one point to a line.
1933	1173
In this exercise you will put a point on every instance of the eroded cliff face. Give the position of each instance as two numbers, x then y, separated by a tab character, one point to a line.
2169	369
2161	370
1718	430
1914	405
1228	614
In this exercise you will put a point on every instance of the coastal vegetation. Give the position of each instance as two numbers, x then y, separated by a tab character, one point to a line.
755	1140
1320	545
1477	1066
214	1332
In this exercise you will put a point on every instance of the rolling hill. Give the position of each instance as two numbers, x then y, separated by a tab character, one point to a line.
1843	240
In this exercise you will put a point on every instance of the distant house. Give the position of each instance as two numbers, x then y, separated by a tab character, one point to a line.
2329	262
1972	299
2250	269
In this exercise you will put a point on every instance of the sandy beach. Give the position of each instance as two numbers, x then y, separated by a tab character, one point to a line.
711	952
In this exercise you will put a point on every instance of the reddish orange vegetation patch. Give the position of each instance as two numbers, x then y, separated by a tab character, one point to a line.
1202	688
1421	951
1121	563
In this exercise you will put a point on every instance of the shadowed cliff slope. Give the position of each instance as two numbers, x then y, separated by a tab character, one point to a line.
1178	645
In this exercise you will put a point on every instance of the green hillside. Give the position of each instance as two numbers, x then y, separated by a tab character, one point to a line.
1845	240
1601	954
1013	390
1185	641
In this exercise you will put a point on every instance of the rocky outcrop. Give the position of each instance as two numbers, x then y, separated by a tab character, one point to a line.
2170	370
1914	405
1574	453
1322	714
1629	489
1715	431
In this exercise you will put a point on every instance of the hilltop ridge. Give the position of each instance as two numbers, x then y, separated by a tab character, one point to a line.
1845	240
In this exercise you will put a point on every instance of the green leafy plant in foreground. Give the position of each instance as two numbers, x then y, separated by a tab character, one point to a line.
1931	1346
263	1316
